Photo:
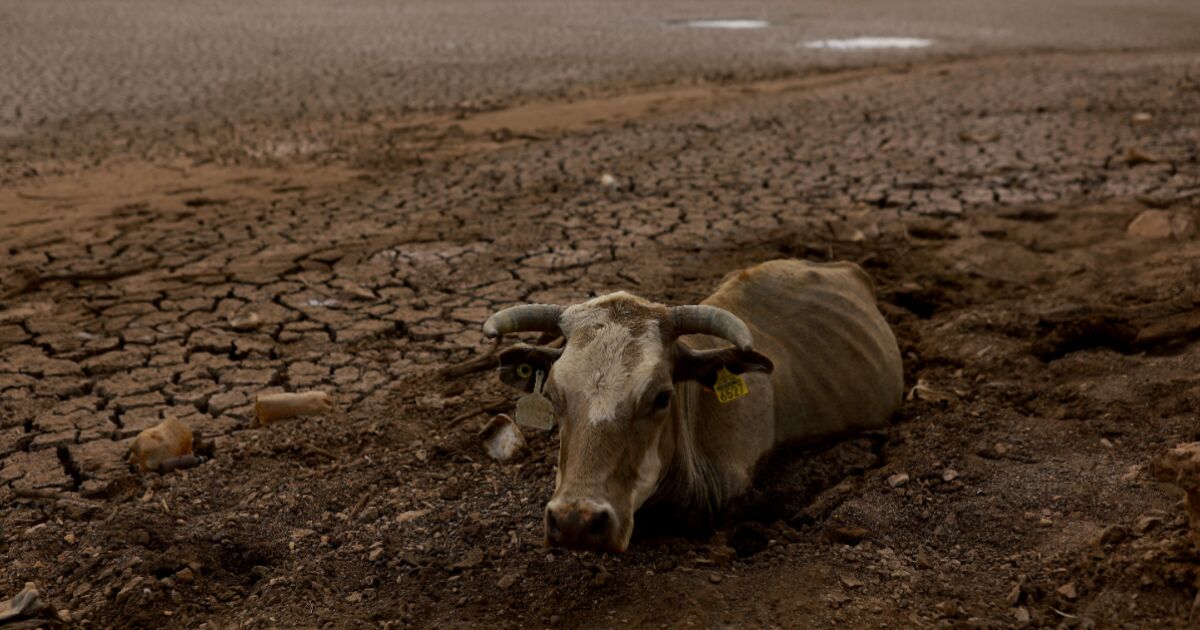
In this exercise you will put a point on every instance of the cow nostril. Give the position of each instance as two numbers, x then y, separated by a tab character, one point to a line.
600	525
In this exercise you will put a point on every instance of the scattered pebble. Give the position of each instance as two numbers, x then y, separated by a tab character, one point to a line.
846	535
949	475
185	576
1135	156
1146	523
898	480
1067	590
1160	224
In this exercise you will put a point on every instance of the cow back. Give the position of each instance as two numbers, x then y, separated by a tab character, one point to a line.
837	365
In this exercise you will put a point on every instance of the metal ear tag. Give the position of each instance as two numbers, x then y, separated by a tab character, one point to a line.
533	410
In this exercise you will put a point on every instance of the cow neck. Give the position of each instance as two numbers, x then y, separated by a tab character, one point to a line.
690	480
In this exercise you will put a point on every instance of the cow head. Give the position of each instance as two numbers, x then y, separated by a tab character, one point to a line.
613	388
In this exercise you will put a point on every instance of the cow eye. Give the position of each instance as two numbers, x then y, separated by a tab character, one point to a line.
662	400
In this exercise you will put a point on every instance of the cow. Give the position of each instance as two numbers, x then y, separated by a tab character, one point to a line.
632	389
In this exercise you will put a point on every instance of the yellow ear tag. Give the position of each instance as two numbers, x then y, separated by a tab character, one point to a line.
729	386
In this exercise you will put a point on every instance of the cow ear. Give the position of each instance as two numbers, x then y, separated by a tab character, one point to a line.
521	363
702	366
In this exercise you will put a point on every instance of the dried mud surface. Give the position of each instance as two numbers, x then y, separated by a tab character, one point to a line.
1051	354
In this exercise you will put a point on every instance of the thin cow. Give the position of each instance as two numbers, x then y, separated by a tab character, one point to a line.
632	389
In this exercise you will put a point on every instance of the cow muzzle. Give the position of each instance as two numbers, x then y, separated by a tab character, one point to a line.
585	525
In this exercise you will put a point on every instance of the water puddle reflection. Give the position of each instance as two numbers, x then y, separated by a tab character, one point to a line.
869	43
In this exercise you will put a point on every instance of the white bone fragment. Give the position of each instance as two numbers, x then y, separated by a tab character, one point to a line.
502	439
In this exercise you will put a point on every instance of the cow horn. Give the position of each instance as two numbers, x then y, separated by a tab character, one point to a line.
539	317
710	320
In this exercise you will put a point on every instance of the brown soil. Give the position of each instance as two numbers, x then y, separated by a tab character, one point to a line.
1051	355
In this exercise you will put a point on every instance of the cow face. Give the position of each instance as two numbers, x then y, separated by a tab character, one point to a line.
613	388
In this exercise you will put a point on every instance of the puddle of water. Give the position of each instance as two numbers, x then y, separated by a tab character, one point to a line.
734	24
869	43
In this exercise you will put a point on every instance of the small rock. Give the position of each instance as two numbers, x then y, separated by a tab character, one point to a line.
601	578
1021	614
452	491
1106	443
185	576
374	555
836	599
245	321
1067	590
1181	466
410	515
898	480
1001	449
1014	595
64	615
949	475
1132	473
715	578
849	581
1135	156
77	510
607	179
1160	224
1112	534
470	560
846	535
1142	118
722	554
1146	523
506	581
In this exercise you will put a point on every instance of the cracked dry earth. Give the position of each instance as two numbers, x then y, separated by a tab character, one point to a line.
1049	350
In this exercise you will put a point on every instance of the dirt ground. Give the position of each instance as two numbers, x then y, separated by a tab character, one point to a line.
1049	344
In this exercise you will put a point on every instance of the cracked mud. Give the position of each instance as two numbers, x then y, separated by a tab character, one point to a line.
1051	355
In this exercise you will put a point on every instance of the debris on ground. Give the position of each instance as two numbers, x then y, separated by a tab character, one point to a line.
1180	467
1160	224
157	445
272	407
502	439
24	604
